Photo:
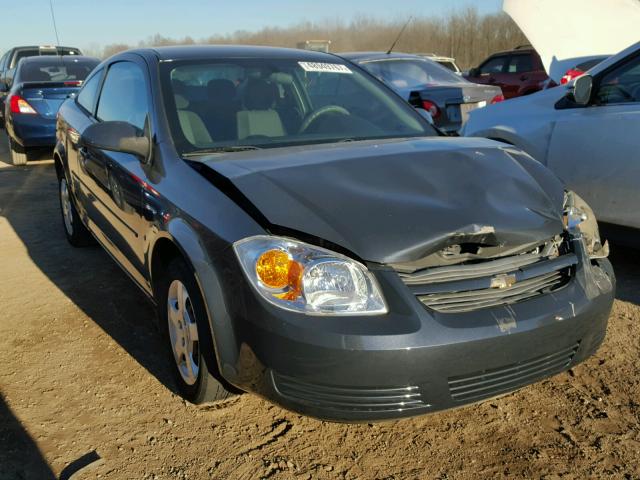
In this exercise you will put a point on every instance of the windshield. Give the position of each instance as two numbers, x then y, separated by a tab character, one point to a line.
410	73
242	102
56	69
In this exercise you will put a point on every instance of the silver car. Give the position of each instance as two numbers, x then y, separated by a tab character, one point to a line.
586	133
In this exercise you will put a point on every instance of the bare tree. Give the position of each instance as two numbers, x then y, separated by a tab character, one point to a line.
464	34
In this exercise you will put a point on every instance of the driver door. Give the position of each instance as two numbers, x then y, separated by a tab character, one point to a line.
595	149
114	179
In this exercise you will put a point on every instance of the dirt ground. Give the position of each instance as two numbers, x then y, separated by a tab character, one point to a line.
83	381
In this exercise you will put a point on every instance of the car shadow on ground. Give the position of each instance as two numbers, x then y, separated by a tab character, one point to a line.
87	276
20	457
626	264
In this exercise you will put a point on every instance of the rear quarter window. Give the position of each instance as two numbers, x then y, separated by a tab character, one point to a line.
89	93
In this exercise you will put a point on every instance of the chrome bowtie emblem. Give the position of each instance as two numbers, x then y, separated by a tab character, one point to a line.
503	280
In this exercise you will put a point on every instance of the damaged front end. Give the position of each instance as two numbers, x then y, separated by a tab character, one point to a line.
471	276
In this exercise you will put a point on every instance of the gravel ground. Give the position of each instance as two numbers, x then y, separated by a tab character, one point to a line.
83	381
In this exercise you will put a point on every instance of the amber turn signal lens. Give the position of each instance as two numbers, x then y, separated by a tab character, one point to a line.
277	270
272	268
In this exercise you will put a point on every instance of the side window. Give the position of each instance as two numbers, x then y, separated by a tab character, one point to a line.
3	60
87	96
520	64
621	85
124	95
493	65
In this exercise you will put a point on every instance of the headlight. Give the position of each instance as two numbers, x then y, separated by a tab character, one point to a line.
303	278
578	217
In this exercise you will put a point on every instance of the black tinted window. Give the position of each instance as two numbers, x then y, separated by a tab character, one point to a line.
88	94
589	64
3	60
56	69
493	65
20	54
520	64
124	95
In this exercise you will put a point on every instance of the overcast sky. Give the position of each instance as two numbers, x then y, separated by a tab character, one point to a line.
88	23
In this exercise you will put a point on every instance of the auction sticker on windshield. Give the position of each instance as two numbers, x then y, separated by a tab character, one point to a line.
324	67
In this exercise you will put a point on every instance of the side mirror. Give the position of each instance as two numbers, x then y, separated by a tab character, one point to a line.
117	137
582	89
426	115
4	88
473	72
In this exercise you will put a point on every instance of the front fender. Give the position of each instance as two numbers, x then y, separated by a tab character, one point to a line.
209	279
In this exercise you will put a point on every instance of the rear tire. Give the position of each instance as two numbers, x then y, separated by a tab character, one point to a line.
185	330
75	231
18	153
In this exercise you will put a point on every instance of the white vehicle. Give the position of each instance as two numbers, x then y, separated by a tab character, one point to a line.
447	62
587	133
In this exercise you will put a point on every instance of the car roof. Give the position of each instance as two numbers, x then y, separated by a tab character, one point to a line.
372	56
433	56
195	52
65	58
43	47
517	50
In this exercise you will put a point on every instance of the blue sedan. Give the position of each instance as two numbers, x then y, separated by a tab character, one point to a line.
39	87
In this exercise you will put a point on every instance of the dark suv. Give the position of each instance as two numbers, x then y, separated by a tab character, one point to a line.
9	62
518	72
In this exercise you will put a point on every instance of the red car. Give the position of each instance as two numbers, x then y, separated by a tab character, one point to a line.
518	72
579	69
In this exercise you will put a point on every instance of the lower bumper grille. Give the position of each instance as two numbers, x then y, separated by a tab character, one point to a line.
353	399
504	281
484	298
489	383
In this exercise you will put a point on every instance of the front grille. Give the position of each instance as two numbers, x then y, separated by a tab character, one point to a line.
472	286
350	399
489	383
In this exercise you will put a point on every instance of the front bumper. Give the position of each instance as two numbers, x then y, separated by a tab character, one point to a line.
414	360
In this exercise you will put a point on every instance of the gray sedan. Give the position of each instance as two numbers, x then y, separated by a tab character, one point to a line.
425	84
307	236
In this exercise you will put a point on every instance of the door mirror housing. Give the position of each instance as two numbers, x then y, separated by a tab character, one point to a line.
4	88
424	114
117	137
582	89
473	72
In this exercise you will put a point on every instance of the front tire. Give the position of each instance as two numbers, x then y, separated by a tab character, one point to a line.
75	231
181	309
18	153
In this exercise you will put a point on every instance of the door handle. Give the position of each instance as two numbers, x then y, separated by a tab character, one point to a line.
148	212
83	153
524	77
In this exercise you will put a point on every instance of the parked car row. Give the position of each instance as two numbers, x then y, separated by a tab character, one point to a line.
10	59
38	79
447	97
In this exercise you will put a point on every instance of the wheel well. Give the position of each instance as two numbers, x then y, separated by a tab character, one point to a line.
163	252
57	161
501	140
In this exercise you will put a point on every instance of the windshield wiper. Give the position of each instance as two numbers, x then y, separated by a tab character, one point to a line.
228	148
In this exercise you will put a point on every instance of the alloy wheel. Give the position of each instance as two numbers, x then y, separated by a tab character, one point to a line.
183	332
65	202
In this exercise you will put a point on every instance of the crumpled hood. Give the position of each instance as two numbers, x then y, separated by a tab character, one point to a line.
398	201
